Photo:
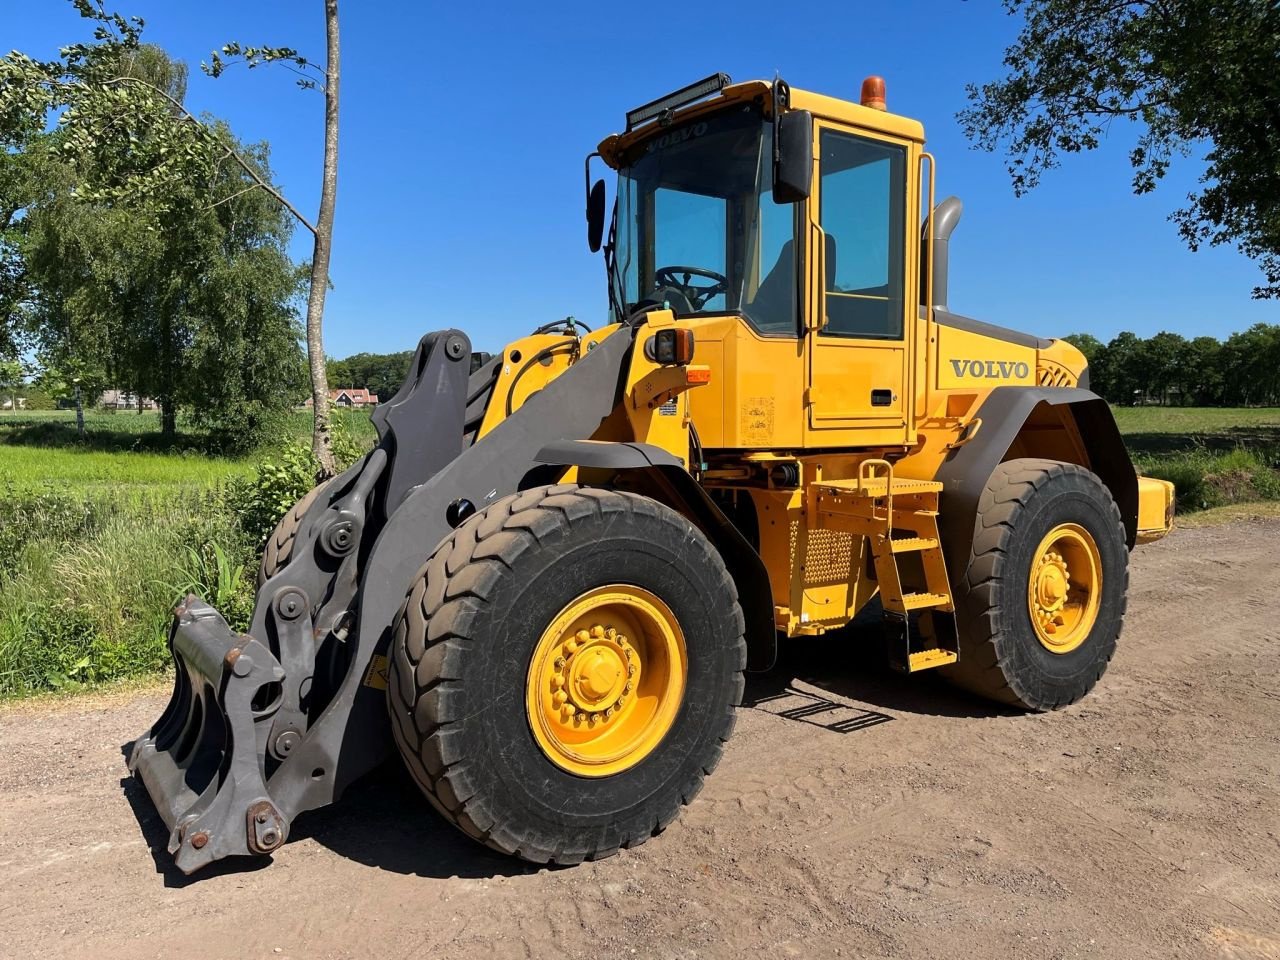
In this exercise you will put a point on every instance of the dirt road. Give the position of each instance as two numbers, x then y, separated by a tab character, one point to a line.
856	814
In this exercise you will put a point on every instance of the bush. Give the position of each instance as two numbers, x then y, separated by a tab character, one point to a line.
1205	479
278	484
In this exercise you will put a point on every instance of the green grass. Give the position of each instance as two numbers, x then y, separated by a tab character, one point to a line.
101	535
1214	456
1196	421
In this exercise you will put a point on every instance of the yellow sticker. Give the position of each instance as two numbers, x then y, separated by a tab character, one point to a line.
757	421
376	675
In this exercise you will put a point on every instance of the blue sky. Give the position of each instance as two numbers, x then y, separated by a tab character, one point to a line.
465	126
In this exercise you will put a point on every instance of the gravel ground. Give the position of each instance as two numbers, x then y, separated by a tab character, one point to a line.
856	813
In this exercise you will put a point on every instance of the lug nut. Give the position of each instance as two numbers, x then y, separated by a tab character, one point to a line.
560	661
597	631
560	697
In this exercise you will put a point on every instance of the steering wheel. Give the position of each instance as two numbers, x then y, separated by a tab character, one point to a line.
698	296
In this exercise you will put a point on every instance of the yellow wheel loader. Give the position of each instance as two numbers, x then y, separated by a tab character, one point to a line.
543	586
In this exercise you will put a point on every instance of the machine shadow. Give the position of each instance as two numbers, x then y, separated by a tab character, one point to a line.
852	664
383	821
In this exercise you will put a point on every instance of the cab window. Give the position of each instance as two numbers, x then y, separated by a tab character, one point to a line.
862	213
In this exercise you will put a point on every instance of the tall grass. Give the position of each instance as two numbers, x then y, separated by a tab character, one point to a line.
100	538
91	600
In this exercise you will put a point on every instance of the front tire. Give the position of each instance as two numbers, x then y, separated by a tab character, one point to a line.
565	670
1042	602
278	550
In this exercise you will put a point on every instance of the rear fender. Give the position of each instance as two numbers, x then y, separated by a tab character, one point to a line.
663	477
1005	413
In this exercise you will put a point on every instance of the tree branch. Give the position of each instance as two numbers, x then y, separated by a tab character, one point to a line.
244	164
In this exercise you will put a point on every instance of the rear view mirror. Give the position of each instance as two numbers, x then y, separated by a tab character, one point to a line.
793	157
595	216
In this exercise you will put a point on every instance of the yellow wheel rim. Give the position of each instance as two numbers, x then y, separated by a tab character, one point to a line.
606	681
1065	588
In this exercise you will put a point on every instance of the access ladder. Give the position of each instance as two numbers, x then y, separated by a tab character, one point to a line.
898	517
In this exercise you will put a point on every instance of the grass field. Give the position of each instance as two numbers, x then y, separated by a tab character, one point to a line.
101	535
1214	456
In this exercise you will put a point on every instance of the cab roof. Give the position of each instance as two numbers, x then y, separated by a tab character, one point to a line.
822	107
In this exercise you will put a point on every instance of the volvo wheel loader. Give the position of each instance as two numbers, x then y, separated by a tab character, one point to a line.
544	584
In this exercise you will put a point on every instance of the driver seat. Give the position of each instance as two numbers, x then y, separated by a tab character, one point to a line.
773	309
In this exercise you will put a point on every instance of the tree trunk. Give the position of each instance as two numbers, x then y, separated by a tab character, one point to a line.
321	436
168	417
79	414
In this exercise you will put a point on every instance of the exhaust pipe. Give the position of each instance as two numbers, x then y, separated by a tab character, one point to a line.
946	216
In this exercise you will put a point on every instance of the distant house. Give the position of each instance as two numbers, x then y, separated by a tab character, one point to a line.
124	400
8	402
351	398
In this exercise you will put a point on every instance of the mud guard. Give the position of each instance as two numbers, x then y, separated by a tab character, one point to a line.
668	479
966	470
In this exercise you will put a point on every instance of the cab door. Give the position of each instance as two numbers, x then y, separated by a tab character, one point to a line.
858	391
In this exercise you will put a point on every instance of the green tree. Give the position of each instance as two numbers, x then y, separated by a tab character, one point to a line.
155	253
1126	368
1199	379
1182	73
11	378
1094	351
1162	355
381	373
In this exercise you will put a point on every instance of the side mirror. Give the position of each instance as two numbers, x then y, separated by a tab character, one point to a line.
595	216
793	157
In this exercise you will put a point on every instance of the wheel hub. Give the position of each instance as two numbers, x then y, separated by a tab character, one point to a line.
1064	588
606	680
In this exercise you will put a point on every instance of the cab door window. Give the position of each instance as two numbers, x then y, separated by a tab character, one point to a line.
862	214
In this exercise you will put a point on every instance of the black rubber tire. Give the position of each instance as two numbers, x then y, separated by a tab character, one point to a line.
279	547
1000	655
463	644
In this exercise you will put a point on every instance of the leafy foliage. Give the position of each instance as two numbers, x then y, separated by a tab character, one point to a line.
150	246
1184	73
280	482
381	373
1244	370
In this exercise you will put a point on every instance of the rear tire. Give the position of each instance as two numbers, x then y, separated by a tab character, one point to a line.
279	548
481	628
1029	510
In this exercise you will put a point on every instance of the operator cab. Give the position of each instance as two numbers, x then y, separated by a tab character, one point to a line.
784	215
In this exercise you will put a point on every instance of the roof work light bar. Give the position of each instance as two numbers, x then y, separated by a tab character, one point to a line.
682	97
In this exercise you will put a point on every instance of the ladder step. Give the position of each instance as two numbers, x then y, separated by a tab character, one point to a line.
912	544
924	659
879	487
920	601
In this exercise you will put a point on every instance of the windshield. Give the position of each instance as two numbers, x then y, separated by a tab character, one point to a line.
696	228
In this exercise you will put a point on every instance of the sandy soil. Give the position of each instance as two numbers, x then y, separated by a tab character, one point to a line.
856	814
